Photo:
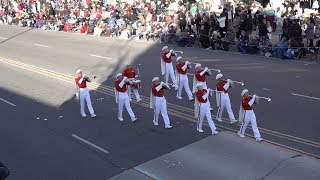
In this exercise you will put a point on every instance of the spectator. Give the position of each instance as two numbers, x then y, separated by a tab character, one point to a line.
281	48
182	21
4	172
263	30
309	32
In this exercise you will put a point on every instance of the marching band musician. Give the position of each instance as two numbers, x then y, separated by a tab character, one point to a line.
83	93
122	97
166	65
202	108
158	102
131	74
246	114
182	78
222	97
200	76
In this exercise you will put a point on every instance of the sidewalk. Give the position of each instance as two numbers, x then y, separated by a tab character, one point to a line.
227	156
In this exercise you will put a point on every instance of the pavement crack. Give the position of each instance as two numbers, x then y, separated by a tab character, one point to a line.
277	166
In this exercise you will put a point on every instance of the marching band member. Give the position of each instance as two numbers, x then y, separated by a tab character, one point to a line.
158	102
182	78
202	108
246	114
200	76
122	97
131	74
166	65
82	91
222	97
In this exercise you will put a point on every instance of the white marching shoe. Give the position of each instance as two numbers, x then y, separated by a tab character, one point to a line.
259	139
200	130
233	121
138	100
179	97
167	126
84	115
219	119
93	115
120	119
214	132
240	135
134	119
155	123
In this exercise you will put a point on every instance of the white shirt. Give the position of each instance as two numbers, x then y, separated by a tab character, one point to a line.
222	22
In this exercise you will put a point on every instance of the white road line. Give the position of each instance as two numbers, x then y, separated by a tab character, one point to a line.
40	45
310	97
146	173
266	89
89	143
93	55
3	38
11	104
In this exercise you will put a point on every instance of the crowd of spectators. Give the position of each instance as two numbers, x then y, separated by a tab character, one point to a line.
248	28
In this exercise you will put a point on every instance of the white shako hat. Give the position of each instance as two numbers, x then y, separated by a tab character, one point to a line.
178	58
155	79
244	92
219	76
200	84
198	65
164	47
78	71
119	74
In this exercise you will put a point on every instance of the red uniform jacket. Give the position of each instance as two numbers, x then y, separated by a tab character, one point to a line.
158	93
83	84
129	73
245	103
199	95
179	68
199	77
164	57
118	88
220	85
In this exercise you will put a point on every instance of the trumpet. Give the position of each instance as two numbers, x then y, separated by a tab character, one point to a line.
218	70
266	98
238	82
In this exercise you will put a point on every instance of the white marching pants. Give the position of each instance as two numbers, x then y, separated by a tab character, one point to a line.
225	103
184	83
135	91
170	71
85	96
204	109
250	117
161	106
124	101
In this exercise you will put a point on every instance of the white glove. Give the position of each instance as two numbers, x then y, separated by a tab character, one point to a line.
187	62
136	76
125	78
162	83
77	96
84	75
206	69
254	96
229	81
171	51
137	81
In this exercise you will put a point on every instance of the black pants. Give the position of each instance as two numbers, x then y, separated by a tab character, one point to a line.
310	43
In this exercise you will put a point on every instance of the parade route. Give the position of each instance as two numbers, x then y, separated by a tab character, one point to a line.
39	82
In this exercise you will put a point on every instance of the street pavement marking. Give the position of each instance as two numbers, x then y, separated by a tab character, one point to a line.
266	89
146	173
11	104
310	97
171	107
40	45
93	55
89	143
3	38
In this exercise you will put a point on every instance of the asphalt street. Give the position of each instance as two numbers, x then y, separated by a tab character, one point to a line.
42	135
